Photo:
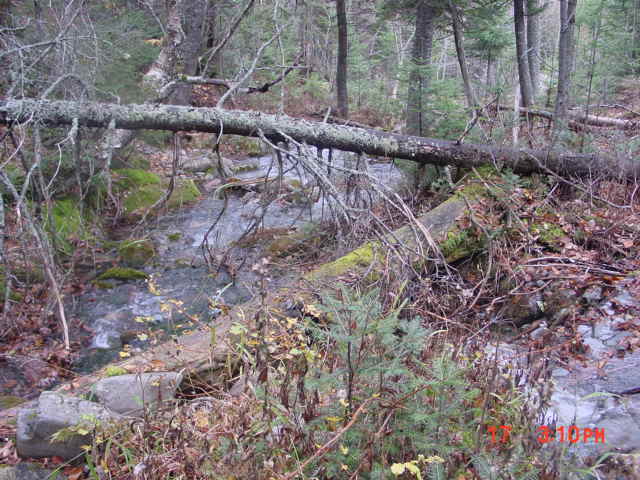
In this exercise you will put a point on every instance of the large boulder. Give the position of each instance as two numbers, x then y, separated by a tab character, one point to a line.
26	471
130	394
53	413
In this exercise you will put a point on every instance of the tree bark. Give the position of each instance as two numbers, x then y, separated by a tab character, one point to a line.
343	51
636	36
462	59
188	51
524	75
421	58
281	128
533	45
566	53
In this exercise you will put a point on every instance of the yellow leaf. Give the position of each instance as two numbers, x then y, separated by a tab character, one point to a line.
397	469
413	468
344	467
124	354
344	449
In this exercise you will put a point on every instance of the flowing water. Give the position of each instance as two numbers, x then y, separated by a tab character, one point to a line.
179	274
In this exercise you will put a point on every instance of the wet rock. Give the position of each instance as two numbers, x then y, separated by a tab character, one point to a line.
560	304
208	163
523	309
588	398
26	471
593	294
596	347
130	394
52	413
625	299
137	253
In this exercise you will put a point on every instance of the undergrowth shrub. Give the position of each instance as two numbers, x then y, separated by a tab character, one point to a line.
346	389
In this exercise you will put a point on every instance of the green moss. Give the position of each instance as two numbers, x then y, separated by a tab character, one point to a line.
184	192
65	223
549	234
136	253
130	178
460	244
361	257
142	198
121	273
146	196
174	237
9	401
103	284
114	371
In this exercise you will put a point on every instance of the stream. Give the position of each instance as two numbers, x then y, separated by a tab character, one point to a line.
179	274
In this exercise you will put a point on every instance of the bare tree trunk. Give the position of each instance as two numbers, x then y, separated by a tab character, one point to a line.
490	81
462	59
636	36
189	49
566	53
421	59
281	128
524	75
533	45
343	51
156	78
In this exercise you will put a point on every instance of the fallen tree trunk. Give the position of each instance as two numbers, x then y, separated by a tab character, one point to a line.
578	118
281	128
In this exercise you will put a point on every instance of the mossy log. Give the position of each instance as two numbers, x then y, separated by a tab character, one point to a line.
281	128
208	349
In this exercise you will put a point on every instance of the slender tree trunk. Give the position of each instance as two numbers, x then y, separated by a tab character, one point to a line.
343	52
524	75
490	72
188	51
566	53
533	45
462	59
636	36
421	59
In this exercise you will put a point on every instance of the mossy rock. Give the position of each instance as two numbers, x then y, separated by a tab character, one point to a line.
103	284
549	234
65	223
137	253
131	178
145	196
460	244
122	273
9	401
114	371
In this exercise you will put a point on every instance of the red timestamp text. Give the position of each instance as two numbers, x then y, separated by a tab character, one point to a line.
561	434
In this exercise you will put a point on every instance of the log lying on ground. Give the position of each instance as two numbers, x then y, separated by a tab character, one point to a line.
207	349
578	118
282	127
